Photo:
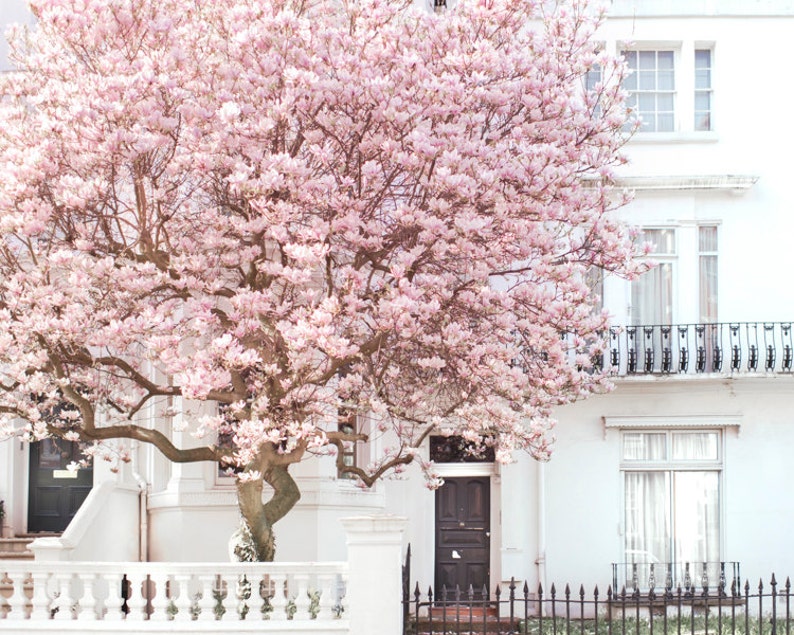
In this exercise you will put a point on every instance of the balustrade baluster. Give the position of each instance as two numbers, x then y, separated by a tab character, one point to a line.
63	602
208	601
302	599
136	600
227	597
86	606
184	600
157	586
279	600
326	605
40	601
114	601
256	603
17	600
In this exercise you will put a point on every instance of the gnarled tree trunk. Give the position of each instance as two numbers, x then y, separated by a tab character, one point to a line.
260	517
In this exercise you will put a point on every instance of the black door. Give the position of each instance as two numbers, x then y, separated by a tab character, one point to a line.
55	494
463	536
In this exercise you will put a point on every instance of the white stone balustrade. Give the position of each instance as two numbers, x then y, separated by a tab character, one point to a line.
359	597
169	591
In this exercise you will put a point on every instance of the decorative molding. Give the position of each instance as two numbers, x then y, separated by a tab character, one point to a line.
722	182
674	421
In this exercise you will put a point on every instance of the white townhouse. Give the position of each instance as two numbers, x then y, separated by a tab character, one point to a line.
686	461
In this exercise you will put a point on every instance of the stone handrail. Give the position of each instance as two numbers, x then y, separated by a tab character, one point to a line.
165	591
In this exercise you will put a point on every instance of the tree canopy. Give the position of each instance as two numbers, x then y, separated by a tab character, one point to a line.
300	208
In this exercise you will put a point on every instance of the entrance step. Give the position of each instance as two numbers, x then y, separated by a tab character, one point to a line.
16	548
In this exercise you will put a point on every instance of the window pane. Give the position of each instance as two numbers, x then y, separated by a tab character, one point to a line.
702	58
647	102
702	101
695	446
631	58
696	513
648	60
644	446
702	121
662	240
664	122
665	60
707	238
703	78
666	80
647	517
647	80
664	103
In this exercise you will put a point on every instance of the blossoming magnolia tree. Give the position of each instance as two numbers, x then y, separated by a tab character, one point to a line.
291	209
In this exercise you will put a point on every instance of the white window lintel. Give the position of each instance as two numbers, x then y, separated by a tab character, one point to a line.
673	422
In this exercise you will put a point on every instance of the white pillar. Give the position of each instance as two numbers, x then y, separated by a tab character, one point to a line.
374	587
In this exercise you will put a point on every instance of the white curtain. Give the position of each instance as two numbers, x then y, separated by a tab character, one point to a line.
672	514
647	517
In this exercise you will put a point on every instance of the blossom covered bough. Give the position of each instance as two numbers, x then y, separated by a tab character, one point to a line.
287	211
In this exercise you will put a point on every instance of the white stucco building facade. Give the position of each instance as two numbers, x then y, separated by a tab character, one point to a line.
685	460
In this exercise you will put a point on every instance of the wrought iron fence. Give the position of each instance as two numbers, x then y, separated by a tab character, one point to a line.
761	610
670	575
736	347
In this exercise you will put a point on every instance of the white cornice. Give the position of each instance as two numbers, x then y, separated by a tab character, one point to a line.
724	182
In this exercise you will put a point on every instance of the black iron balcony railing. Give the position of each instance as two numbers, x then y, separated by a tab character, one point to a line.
668	577
690	349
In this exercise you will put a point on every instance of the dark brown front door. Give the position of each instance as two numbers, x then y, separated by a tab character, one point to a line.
55	493
463	536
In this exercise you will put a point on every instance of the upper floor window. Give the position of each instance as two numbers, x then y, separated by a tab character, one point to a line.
651	86
670	87
707	265
652	292
702	89
683	285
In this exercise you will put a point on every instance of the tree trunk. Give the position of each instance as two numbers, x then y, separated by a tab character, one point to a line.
260	517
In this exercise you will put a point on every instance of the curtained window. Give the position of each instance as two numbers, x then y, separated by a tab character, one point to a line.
672	496
652	292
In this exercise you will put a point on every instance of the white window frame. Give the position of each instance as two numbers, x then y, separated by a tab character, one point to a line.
684	128
703	90
670	467
662	258
637	92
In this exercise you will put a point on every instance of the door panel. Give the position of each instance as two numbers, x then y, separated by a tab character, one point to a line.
463	536
55	494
